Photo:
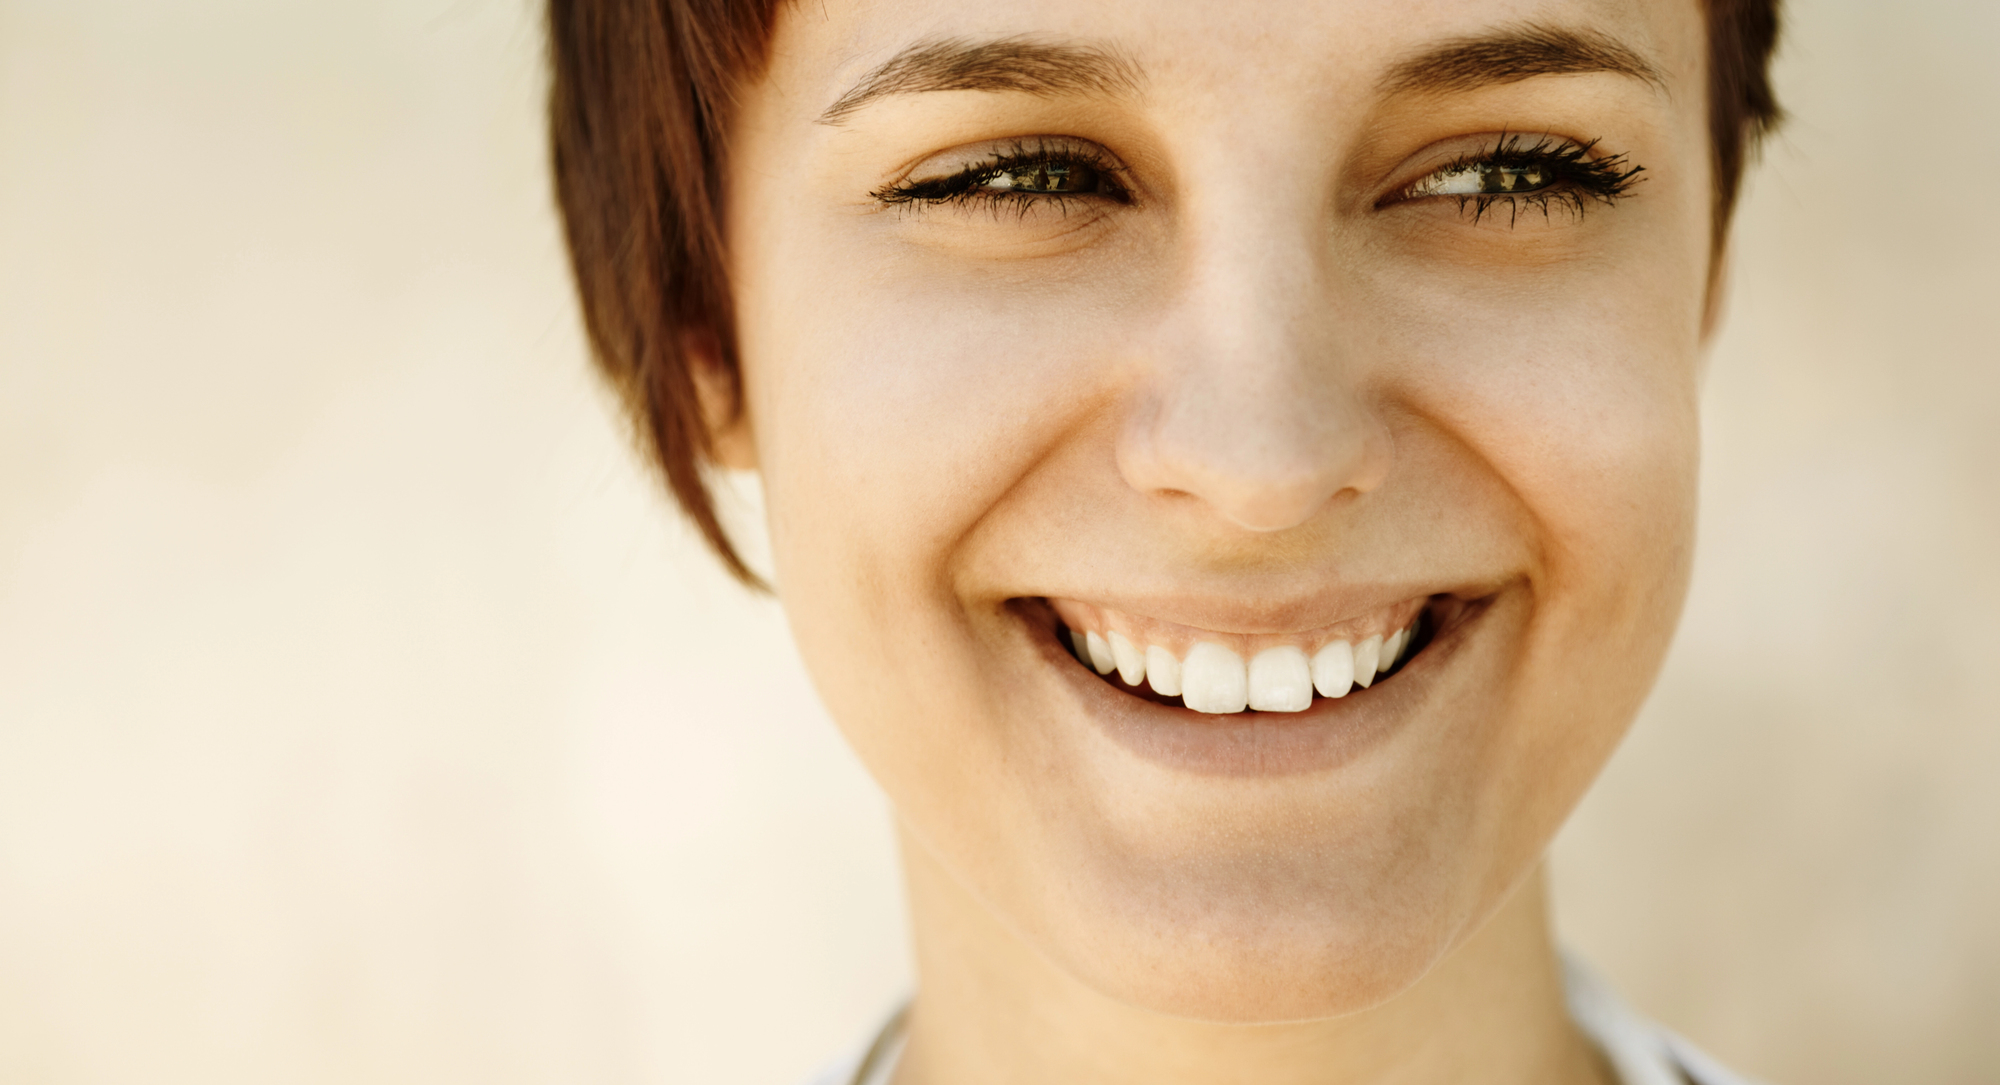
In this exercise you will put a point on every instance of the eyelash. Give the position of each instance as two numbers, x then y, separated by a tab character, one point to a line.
1577	178
1044	159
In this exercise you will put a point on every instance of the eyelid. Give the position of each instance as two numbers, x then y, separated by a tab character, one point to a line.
966	156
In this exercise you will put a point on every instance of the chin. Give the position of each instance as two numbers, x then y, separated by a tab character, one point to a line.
1215	953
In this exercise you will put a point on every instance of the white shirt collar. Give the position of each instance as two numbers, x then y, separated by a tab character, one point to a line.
1640	1051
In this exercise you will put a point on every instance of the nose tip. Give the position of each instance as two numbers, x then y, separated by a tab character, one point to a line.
1276	502
1253	391
1262	465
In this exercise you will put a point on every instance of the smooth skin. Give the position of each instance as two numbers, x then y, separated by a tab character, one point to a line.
1263	393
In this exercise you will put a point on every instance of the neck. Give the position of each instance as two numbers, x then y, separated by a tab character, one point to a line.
990	1010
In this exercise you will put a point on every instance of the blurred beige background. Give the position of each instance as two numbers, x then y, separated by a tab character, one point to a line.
364	716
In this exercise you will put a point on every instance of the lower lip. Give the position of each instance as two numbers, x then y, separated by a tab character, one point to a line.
1331	733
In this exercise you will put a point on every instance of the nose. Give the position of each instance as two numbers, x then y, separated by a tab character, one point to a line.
1251	401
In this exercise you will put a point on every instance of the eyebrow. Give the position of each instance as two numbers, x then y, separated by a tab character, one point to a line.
1001	64
1511	55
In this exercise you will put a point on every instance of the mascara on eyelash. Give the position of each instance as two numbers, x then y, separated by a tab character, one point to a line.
1042	164
1577	179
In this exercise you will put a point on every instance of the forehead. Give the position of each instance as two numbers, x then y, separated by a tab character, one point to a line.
1176	49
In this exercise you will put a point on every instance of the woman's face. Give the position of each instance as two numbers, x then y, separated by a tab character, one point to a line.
1246	332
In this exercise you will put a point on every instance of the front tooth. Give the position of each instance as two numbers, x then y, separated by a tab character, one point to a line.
1213	680
1163	671
1280	680
1390	649
1100	653
1367	659
1131	665
1333	669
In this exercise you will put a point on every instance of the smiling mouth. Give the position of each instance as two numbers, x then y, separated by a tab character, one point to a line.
1217	673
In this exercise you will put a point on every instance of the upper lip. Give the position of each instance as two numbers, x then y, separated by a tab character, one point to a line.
1249	615
1091	616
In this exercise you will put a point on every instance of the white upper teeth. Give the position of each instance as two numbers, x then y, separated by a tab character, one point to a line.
1333	669
1163	671
1100	653
1215	680
1367	661
1131	663
1280	680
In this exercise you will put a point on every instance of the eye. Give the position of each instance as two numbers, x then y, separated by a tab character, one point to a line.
1483	179
1549	173
1045	175
1020	173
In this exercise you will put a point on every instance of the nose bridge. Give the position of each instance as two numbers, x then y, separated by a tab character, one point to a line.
1251	403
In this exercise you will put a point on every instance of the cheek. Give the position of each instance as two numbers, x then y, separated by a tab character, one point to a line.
902	403
1582	405
895	410
1594	429
1577	388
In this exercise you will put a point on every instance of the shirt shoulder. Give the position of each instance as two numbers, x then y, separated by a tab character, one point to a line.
1699	1068
1641	1052
873	1061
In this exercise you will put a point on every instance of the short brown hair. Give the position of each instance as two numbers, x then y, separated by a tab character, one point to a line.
639	105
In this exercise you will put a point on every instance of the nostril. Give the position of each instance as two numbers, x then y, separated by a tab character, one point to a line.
1273	509
1262	475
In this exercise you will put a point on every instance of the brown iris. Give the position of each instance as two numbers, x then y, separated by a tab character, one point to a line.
1500	179
1051	177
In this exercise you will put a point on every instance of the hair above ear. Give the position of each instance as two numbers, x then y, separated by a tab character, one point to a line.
718	385
638	101
1742	106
